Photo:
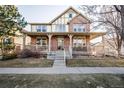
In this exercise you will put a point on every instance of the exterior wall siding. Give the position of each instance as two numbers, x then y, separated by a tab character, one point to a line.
64	19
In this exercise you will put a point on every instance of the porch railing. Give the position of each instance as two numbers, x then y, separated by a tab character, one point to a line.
64	55
37	47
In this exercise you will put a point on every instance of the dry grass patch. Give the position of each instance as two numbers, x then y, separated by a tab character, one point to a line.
106	62
62	81
27	62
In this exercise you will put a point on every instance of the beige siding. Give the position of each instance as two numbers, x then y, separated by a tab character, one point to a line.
64	19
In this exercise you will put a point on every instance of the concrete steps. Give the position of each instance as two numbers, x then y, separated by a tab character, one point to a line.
59	60
58	55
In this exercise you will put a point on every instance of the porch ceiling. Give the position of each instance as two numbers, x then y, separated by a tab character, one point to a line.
91	34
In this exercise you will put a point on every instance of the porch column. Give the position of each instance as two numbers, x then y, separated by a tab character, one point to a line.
103	43
88	44
24	41
49	46
70	46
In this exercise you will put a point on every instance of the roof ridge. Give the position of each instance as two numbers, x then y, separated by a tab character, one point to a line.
64	12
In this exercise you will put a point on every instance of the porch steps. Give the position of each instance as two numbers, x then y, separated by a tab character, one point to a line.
59	60
58	55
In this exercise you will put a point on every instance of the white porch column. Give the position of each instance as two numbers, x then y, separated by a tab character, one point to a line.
103	42
24	41
70	46
49	46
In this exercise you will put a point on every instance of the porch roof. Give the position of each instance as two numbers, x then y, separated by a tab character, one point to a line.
91	34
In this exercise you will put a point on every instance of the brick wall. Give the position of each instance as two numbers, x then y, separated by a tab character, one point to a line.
33	40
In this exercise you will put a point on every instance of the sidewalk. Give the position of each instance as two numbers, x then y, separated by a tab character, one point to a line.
63	70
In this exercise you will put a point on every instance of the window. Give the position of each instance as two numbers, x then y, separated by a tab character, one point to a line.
60	28
7	41
44	28
79	42
41	28
75	29
44	42
78	28
41	41
38	42
70	15
38	28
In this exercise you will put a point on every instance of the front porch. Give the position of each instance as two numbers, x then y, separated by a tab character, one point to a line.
73	42
50	44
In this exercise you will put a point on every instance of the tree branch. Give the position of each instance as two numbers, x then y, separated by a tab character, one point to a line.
117	9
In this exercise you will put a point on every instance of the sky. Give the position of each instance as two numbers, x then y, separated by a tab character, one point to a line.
42	13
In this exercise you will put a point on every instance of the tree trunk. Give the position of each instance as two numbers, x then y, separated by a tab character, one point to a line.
122	20
119	52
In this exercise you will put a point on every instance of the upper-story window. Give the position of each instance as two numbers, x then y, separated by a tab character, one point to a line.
70	15
60	28
44	28
78	28
39	28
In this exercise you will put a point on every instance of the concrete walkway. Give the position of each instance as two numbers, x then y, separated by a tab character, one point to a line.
59	63
59	67
63	70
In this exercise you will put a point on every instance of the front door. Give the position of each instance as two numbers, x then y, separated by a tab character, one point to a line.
60	43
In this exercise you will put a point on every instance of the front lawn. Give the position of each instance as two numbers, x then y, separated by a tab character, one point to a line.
106	62
62	81
27	62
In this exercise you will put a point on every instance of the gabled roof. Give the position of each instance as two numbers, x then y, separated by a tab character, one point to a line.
70	8
82	16
78	13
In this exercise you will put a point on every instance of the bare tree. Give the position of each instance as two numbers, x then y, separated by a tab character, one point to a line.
110	19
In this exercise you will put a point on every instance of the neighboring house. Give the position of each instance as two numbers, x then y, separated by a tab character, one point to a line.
18	40
106	47
68	31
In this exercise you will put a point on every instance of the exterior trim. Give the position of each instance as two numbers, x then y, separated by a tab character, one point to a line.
91	34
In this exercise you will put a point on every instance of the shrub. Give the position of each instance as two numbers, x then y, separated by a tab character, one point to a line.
35	54
26	53
9	56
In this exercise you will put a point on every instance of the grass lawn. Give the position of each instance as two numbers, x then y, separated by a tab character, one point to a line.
27	62
106	62
62	81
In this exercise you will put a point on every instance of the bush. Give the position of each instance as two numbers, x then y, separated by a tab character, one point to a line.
35	54
9	56
26	53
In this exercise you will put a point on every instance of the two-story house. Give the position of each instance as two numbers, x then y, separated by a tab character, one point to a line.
69	30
